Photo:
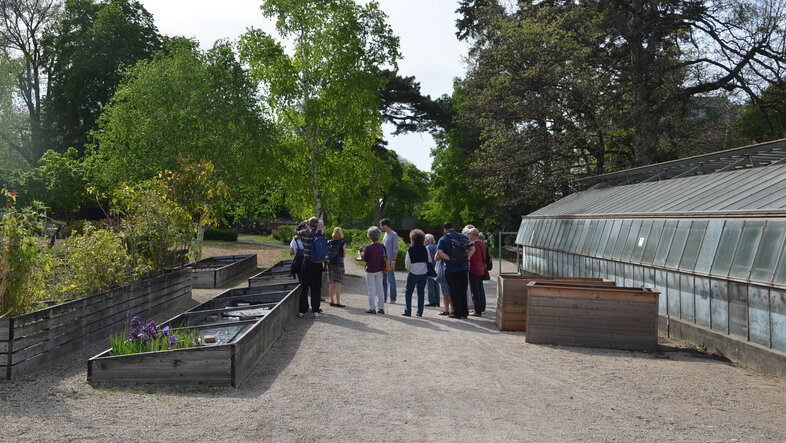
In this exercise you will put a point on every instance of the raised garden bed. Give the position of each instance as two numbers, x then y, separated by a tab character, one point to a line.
216	272
511	312
279	271
245	322
592	316
37	339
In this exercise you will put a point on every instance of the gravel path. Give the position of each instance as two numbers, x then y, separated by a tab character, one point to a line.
357	377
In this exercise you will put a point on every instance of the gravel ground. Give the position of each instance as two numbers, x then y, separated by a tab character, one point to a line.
351	376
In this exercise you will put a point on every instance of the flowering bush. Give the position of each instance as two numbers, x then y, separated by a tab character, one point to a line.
147	337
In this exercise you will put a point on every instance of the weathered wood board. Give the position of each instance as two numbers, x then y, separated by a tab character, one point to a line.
511	312
34	340
592	316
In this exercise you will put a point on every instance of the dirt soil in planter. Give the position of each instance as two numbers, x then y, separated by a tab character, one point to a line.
351	376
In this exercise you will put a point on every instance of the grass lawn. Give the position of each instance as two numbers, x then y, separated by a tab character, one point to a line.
262	238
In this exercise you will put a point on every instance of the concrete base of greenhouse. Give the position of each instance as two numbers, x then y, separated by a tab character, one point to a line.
746	353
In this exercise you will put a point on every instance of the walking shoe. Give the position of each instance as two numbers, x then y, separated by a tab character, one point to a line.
339	305
315	315
406	315
381	311
454	316
444	313
332	304
431	305
477	314
419	314
300	315
371	311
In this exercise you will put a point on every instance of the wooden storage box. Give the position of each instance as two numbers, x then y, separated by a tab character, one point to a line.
592	316
512	298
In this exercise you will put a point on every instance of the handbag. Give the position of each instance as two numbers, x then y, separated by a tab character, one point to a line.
386	268
441	273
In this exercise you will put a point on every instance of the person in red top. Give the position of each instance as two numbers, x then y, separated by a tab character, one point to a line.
374	256
477	267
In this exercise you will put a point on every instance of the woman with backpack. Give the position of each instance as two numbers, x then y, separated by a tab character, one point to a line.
337	250
417	263
296	251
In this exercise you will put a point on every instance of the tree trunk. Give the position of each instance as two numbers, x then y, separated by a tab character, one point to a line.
196	244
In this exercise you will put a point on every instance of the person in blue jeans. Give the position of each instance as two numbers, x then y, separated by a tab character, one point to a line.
431	282
416	262
390	242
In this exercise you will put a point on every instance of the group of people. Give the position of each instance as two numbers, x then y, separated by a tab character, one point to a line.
423	260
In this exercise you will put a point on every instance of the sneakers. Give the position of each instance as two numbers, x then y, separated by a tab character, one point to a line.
371	311
316	315
300	315
381	311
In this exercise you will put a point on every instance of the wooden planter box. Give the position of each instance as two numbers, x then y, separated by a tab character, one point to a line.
512	297
216	272
598	317
280	273
246	323
37	339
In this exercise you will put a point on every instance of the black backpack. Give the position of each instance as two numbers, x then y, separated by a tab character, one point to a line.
460	251
335	248
297	263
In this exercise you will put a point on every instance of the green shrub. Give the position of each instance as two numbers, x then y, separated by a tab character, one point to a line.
284	233
93	262
220	234
24	262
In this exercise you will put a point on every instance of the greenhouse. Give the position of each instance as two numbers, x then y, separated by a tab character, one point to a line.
706	232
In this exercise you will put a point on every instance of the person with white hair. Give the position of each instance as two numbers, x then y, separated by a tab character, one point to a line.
477	268
312	271
374	256
431	283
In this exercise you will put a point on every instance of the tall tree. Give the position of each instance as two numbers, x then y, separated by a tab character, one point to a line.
90	47
23	24
184	101
326	94
12	127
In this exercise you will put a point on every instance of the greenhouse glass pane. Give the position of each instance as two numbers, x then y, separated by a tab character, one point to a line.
550	228
759	314
693	244
665	242
687	301
703	301
615	232
572	232
652	242
719	305
593	227
709	246
738	309
582	237
746	249
604	237
559	241
662	285
726	247
630	242
621	239
778	326
678	244
641	241
673	291
769	250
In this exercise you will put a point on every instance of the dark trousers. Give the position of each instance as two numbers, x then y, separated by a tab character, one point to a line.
311	279
478	292
457	282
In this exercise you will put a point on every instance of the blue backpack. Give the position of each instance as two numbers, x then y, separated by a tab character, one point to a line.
319	249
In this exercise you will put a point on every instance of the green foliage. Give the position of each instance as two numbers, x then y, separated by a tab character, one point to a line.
93	262
326	95
153	225
11	121
765	120
285	233
200	104
59	181
23	261
185	338
90	47
220	234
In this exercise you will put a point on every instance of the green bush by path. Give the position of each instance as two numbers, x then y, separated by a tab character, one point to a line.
284	233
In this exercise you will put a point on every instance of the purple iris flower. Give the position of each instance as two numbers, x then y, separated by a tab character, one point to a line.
172	341
165	331
144	337
133	335
136	322
151	329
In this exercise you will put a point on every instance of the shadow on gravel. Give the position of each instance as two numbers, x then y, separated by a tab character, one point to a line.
351	324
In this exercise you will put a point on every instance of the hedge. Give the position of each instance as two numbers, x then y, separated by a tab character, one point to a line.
220	234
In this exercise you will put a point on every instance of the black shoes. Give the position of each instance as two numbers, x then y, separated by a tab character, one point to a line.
431	305
381	311
371	311
406	315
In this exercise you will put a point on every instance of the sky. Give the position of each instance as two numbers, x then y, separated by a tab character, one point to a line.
426	29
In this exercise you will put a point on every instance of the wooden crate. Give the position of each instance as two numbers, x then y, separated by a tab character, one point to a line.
217	272
37	339
592	316
226	363
512	298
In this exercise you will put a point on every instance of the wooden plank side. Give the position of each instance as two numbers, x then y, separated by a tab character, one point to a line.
107	321
597	293
35	332
195	365
601	325
590	304
5	329
121	295
614	343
